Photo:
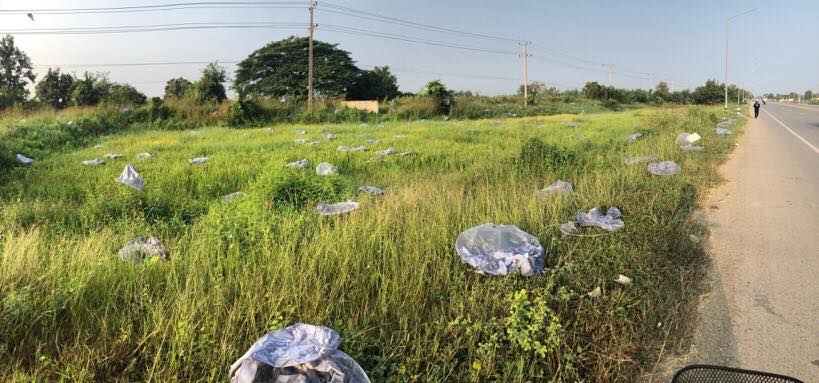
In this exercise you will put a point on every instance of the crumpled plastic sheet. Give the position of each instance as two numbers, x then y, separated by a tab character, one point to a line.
330	136
301	132
94	162
198	160
140	249
556	187
300	164
722	131
195	132
24	160
691	148
326	169
145	156
232	196
363	125
610	221
634	137
313	142
372	190
337	208
500	250
354	149
569	228
665	168
98	146
386	151
300	140
112	155
637	160
129	177
687	138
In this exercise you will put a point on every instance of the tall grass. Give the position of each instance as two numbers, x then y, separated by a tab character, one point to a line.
386	276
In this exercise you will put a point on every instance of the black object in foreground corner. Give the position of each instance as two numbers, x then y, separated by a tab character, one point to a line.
700	373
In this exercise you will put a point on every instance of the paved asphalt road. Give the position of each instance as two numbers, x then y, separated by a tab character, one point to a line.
762	311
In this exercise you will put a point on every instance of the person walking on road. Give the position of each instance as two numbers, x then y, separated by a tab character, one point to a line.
756	108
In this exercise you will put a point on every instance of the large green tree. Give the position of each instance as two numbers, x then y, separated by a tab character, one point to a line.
210	87
15	69
124	94
90	89
710	93
175	88
280	69
55	88
376	84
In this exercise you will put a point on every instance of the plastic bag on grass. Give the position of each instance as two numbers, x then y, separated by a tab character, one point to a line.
610	221
372	190
634	137
329	136
141	249
326	169
337	208
569	228
687	138
691	148
637	160
665	168
300	164
386	151
501	249
232	196
129	177
300	140
301	132
24	160
94	162
556	187
300	353
145	156
722	131
354	149
198	160
112	155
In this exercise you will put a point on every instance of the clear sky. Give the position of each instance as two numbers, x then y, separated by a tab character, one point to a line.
774	49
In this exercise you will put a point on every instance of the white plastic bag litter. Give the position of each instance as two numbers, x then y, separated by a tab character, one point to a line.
113	155
300	164
94	162
665	168
131	178
140	249
556	187
637	160
330	136
143	156
337	208
300	353
326	169
687	138
386	151
198	160
373	141
569	228
300	140
195	132
98	146
594	217
313	142
232	196
501	249
691	148
354	149
372	190
24	160
301	132
722	131
634	137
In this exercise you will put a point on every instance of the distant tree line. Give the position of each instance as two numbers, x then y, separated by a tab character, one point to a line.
709	93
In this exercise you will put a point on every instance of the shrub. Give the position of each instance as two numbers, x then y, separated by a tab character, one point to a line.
536	155
288	188
242	113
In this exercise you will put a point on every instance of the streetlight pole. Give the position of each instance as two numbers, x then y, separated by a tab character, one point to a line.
726	52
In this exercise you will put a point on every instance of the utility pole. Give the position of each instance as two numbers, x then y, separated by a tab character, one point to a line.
650	82
525	45
726	52
611	74
310	30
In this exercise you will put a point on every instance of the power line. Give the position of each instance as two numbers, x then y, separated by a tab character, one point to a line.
149	28
159	7
110	65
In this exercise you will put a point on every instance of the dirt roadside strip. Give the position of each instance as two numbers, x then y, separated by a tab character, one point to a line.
761	310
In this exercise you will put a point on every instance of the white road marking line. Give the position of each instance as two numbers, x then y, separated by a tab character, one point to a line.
815	149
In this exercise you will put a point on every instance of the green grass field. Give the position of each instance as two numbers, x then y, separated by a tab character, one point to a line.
386	276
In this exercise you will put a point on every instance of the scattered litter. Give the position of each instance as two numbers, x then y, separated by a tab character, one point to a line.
694	238
722	131
313	142
141	249
569	228
94	162
300	140
691	148
739	114
24	160
500	249
232	196
363	125
131	178
69	123
445	118
299	353
687	138
373	141
301	132
386	152
326	169
198	160
665	168
377	159
270	130
623	280
145	155
124	110
608	222
195	132
113	155
300	164
330	136
349	149
406	154
637	160
337	208
556	187
634	137
97	146
596	293
372	190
